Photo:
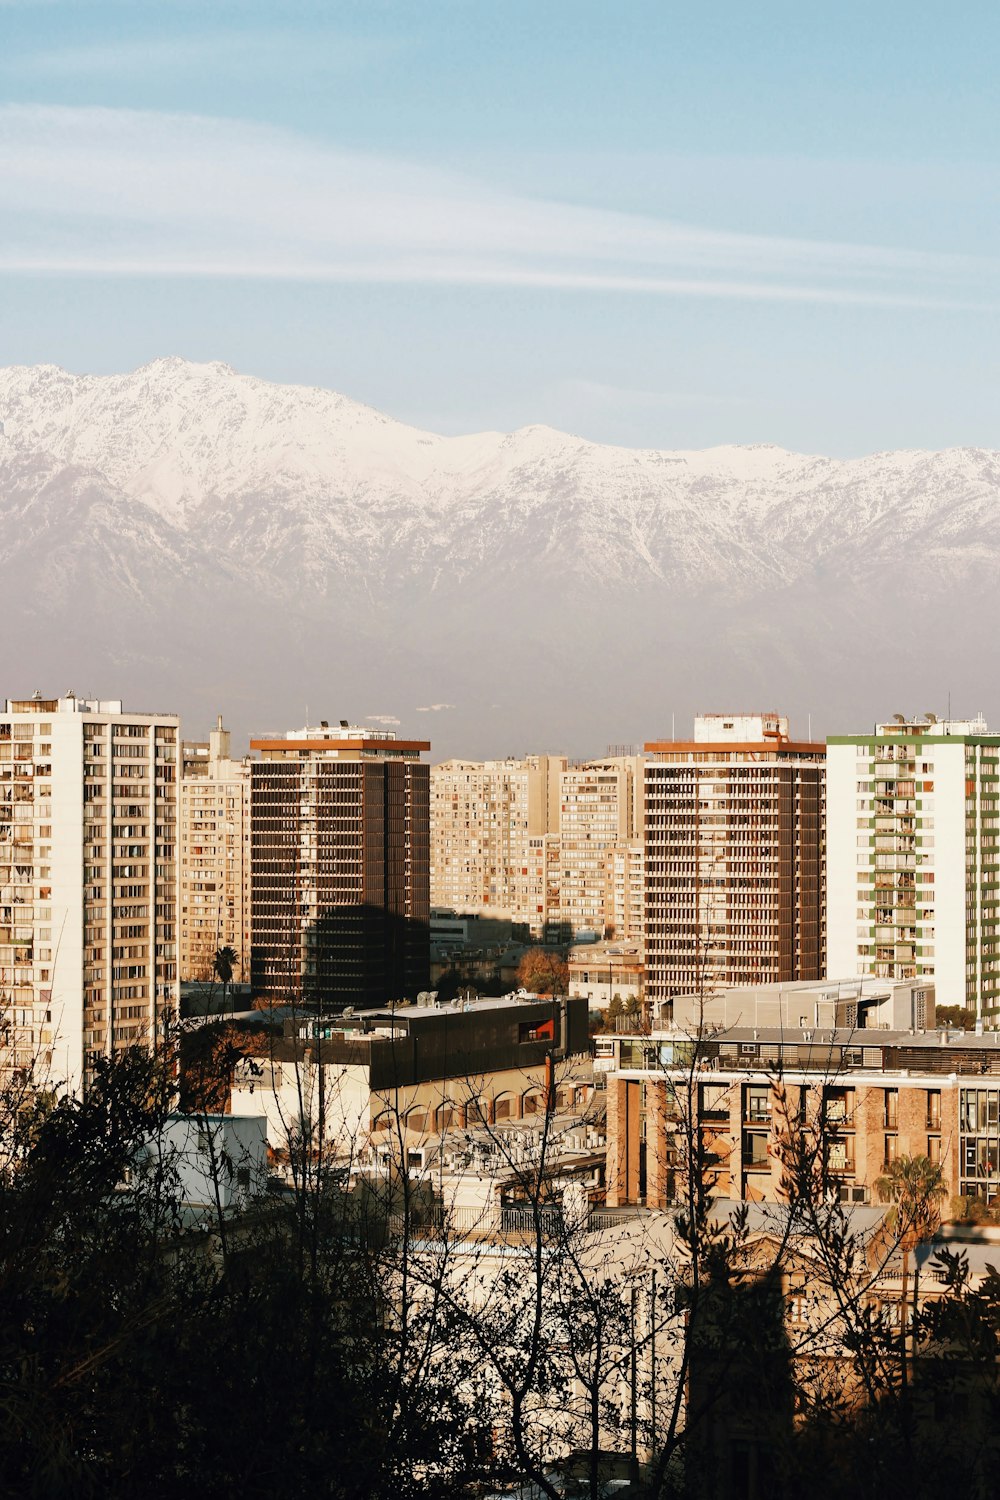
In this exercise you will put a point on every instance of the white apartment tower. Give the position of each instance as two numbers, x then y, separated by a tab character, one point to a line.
214	848
914	857
88	881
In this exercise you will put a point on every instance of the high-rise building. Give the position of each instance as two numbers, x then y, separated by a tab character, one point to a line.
489	820
340	848
600	806
913	857
214	856
735	823
625	892
88	881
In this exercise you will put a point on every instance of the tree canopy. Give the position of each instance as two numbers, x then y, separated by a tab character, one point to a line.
544	972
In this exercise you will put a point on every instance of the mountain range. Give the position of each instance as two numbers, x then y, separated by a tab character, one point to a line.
190	538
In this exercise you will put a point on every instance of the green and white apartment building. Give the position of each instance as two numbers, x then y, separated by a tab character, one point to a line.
913	858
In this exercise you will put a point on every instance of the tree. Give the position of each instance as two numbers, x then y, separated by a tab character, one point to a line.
914	1187
955	1015
225	962
143	1353
543	972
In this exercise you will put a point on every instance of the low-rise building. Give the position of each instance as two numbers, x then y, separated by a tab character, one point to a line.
601	971
863	1004
742	1097
420	1069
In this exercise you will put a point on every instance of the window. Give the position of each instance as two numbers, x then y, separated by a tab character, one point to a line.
838	1105
840	1156
891	1109
715	1100
934	1109
757	1102
755	1155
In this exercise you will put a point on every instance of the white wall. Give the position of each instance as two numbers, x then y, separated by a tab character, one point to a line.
220	1160
947	862
66	869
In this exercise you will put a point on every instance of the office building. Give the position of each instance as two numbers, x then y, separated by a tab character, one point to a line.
418	1069
340	900
88	881
734	873
914	857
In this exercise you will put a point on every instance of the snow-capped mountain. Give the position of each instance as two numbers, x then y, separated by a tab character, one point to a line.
188	536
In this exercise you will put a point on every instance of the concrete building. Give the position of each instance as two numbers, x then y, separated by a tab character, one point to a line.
88	880
600	971
214	856
532	838
340	901
625	892
864	1004
735	822
489	821
600	808
913	857
214	1163
866	1098
356	1080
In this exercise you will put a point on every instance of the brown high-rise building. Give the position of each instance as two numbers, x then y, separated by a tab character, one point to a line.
735	881
340	859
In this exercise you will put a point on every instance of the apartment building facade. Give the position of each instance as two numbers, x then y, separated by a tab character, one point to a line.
340	867
914	857
88	881
489	824
214	856
625	892
734	856
866	1098
600	808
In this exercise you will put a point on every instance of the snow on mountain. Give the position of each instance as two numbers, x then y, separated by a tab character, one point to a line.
288	533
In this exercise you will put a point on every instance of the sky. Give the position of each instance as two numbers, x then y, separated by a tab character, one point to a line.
662	225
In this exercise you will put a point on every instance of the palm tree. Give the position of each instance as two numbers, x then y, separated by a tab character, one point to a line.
225	961
914	1186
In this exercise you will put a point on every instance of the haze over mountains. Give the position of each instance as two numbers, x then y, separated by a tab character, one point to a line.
195	539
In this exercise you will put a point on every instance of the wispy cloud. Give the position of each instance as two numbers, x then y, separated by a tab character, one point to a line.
385	719
231	53
434	708
131	193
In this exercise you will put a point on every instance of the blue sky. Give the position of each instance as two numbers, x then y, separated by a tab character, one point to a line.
667	224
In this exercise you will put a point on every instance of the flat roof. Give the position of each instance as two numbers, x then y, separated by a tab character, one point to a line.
332	747
769	746
839	1036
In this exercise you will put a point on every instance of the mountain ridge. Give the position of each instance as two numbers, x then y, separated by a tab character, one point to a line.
533	561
